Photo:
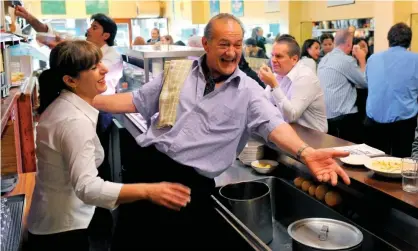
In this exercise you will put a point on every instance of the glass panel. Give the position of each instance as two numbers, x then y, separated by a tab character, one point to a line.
122	36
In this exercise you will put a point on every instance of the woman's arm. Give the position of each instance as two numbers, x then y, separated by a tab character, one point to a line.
116	103
78	151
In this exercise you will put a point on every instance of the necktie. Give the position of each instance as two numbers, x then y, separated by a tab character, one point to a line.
210	86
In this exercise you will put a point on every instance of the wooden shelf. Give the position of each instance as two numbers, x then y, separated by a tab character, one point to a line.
11	159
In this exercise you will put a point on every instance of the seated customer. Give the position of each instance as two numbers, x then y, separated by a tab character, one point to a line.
251	49
69	152
155	36
139	41
295	90
167	39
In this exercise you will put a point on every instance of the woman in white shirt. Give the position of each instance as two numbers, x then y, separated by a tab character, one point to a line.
67	188
310	53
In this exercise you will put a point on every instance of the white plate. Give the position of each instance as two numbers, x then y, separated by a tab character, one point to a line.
273	164
355	160
386	173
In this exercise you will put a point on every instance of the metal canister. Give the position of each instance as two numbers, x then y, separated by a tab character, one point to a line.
250	203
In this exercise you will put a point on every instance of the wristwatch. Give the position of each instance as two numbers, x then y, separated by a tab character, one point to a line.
301	149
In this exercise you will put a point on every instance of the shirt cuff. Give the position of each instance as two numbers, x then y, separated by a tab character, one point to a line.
110	192
266	128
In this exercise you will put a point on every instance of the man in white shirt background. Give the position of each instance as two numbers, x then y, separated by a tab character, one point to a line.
102	33
295	90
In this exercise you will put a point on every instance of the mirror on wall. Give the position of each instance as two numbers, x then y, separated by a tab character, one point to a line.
364	27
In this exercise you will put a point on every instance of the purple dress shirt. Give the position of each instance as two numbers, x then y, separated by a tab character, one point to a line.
209	128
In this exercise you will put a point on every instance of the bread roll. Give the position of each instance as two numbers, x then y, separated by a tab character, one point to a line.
312	190
298	181
332	198
305	185
320	192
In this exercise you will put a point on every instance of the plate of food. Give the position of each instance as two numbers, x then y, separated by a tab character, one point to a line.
386	166
264	166
355	160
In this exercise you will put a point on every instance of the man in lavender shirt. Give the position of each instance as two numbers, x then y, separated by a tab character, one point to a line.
219	106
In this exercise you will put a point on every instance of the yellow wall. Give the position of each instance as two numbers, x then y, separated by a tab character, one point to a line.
77	9
414	26
415	7
318	10
254	12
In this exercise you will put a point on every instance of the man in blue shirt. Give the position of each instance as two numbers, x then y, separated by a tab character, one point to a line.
392	106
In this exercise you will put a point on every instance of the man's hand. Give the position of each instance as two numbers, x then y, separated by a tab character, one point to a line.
36	24
267	76
359	53
22	12
323	166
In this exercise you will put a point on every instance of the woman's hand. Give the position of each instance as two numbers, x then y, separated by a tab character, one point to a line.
170	195
267	76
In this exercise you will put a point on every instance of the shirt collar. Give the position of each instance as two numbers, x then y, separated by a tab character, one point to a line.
104	48
294	71
338	50
88	110
397	48
234	78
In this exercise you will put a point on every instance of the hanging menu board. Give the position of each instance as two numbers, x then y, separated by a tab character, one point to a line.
97	6
56	7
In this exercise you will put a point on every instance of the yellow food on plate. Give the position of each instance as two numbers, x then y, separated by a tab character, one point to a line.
391	166
262	165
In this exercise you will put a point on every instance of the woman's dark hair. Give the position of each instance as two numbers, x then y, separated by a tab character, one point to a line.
400	35
254	32
67	58
251	41
306	45
325	36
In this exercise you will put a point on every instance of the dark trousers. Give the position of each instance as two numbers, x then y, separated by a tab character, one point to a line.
101	225
393	138
65	241
348	127
146	226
